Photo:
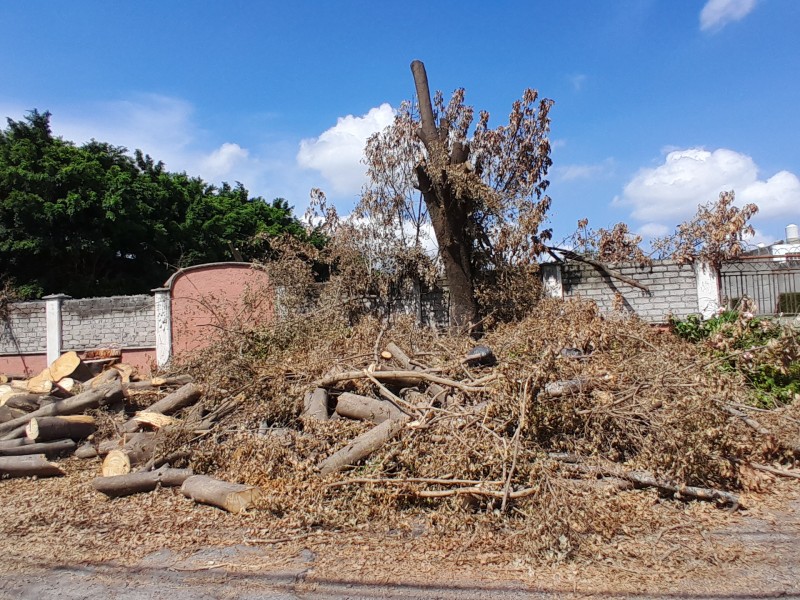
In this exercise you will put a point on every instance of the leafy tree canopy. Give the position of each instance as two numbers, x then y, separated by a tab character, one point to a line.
92	220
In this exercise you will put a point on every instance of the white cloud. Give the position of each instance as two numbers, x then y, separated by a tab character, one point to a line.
224	160
585	171
338	151
718	13
671	192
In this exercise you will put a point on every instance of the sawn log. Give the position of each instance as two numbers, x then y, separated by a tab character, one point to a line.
361	447
73	427
136	483
28	466
71	406
47	448
233	497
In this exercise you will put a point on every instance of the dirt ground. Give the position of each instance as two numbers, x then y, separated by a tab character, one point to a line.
61	540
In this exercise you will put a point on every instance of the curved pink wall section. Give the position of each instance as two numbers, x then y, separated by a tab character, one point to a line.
209	300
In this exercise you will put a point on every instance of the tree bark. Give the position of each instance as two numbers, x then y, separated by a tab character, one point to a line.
361	447
29	402
556	389
28	466
70	406
449	215
74	427
20	441
9	414
136	483
436	391
364	408
315	404
233	497
182	397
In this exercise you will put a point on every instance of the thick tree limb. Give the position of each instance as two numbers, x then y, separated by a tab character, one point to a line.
47	448
436	391
28	466
361	447
315	404
181	398
364	408
233	497
603	268
74	427
136	483
71	406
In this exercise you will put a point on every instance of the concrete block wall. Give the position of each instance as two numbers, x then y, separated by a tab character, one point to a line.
673	289
115	322
25	331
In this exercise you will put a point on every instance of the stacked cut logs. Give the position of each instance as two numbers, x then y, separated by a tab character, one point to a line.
45	418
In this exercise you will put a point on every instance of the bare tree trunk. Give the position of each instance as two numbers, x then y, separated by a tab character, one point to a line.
449	214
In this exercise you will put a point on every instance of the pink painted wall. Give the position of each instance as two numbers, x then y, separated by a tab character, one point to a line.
210	299
25	365
29	365
143	360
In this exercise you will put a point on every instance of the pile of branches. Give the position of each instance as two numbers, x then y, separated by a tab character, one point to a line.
551	436
551	427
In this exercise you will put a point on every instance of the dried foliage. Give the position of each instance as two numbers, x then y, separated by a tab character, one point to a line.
715	234
613	245
487	460
480	191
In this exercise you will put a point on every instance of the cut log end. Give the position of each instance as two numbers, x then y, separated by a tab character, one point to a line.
116	463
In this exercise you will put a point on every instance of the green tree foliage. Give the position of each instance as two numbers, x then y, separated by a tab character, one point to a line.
92	220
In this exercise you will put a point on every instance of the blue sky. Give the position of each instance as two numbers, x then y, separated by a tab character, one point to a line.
659	104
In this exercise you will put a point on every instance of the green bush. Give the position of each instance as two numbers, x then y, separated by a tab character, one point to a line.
762	350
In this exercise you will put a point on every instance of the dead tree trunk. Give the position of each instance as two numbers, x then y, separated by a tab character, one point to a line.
449	213
181	398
